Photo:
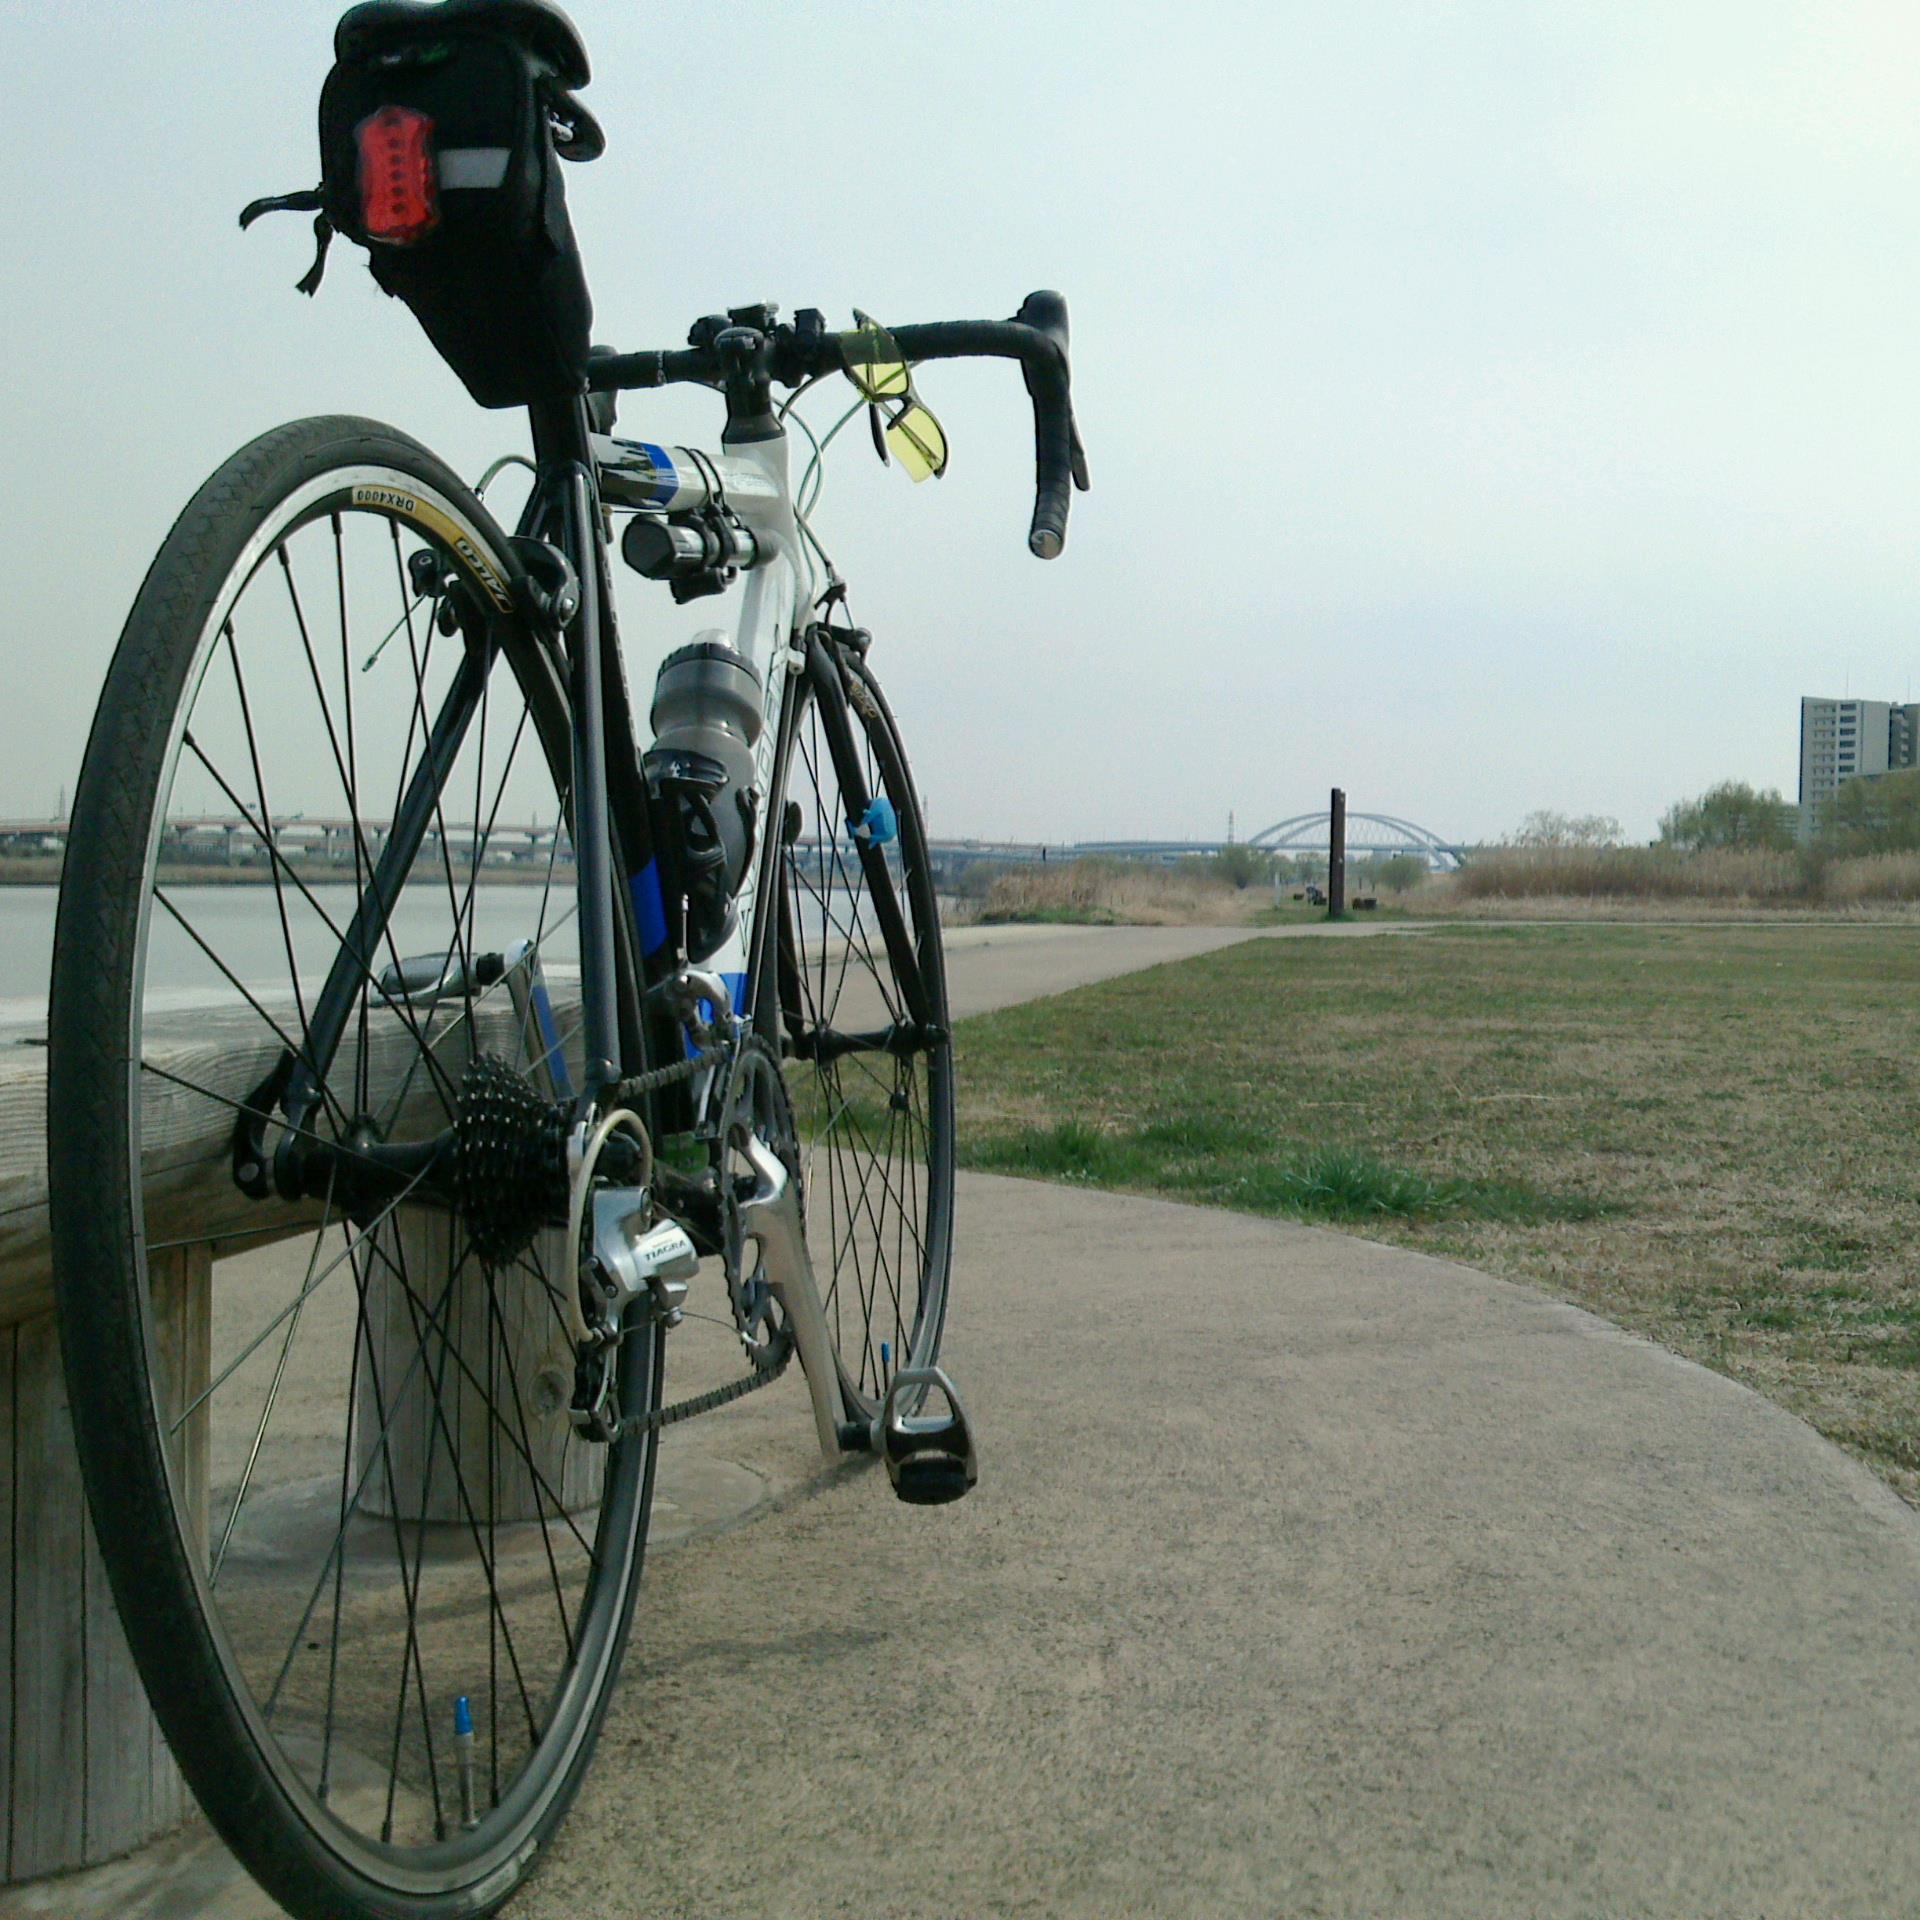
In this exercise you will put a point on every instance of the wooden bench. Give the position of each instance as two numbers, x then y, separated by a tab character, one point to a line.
84	1772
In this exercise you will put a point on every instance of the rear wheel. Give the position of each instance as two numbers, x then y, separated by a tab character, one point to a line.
862	1018
377	1587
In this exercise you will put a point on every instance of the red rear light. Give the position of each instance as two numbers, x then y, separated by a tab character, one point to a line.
399	193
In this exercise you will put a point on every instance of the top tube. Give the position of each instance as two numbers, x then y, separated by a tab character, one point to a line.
663	479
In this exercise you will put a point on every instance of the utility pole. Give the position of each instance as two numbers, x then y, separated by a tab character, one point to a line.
1337	856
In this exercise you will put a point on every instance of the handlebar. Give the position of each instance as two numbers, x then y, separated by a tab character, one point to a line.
1037	336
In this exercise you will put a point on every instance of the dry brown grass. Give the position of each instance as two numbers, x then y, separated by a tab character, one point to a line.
1659	883
1748	878
1115	893
1873	879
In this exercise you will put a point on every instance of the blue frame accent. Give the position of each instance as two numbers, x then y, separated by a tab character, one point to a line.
649	908
555	1054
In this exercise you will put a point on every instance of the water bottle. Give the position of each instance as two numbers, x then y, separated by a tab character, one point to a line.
706	719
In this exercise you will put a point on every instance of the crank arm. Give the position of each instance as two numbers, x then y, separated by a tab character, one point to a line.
772	1218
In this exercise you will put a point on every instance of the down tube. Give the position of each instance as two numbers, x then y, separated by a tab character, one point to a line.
592	841
765	636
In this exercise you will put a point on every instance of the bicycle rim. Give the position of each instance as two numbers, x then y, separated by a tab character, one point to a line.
875	1124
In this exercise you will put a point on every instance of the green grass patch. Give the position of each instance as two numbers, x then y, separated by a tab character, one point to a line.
1221	1164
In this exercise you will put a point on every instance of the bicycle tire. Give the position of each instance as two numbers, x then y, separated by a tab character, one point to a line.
876	1143
313	1831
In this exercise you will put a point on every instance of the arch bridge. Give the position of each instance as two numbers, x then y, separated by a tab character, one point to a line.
1374	833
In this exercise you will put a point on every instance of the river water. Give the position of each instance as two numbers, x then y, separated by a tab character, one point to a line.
241	925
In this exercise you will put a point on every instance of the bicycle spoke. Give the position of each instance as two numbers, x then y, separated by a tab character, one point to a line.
448	1352
363	863
278	861
273	1394
266	1333
266	815
412	1590
297	1049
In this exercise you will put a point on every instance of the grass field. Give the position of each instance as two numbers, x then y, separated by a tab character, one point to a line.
1709	1135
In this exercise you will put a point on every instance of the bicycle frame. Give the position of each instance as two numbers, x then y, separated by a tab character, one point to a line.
579	473
752	481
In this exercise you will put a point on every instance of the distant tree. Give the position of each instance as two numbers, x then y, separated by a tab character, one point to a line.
1241	865
1400	872
1732	814
1544	828
1880	815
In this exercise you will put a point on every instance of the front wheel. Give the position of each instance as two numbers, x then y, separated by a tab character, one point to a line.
318	912
861	1016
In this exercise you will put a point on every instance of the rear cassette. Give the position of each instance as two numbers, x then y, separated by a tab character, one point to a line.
510	1176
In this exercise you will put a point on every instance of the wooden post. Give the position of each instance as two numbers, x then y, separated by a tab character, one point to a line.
1337	856
443	1457
84	1772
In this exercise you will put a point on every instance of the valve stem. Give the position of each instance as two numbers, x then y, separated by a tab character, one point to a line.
463	1754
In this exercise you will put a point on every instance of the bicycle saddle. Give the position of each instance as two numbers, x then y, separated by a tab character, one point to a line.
538	25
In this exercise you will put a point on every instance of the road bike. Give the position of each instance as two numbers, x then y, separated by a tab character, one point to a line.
424	1049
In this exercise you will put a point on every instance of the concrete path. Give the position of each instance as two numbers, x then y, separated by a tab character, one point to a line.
1305	1577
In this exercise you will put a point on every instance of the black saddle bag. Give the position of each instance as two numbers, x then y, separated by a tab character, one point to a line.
437	155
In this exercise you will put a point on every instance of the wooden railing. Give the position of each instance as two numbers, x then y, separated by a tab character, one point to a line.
84	1772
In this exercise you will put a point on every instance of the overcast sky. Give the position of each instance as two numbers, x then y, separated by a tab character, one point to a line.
1490	406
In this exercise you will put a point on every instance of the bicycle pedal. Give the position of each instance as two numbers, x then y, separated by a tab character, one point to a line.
930	1457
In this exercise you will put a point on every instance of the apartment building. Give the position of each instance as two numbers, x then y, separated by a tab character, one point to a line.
1844	740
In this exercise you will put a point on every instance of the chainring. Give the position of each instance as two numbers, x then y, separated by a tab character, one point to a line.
756	1104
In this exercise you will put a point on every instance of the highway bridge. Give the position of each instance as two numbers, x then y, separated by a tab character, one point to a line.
317	842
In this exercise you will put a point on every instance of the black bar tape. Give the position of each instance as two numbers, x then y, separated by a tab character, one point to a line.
1037	336
622	372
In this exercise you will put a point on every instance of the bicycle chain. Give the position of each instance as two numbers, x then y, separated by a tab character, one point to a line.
702	1402
638	1085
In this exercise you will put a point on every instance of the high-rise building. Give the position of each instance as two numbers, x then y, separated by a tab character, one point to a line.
1844	740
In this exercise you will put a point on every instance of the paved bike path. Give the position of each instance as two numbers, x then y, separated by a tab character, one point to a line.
1305	1577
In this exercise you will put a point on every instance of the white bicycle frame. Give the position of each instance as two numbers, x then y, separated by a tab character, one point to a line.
752	482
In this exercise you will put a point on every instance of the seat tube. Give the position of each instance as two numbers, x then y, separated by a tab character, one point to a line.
592	842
